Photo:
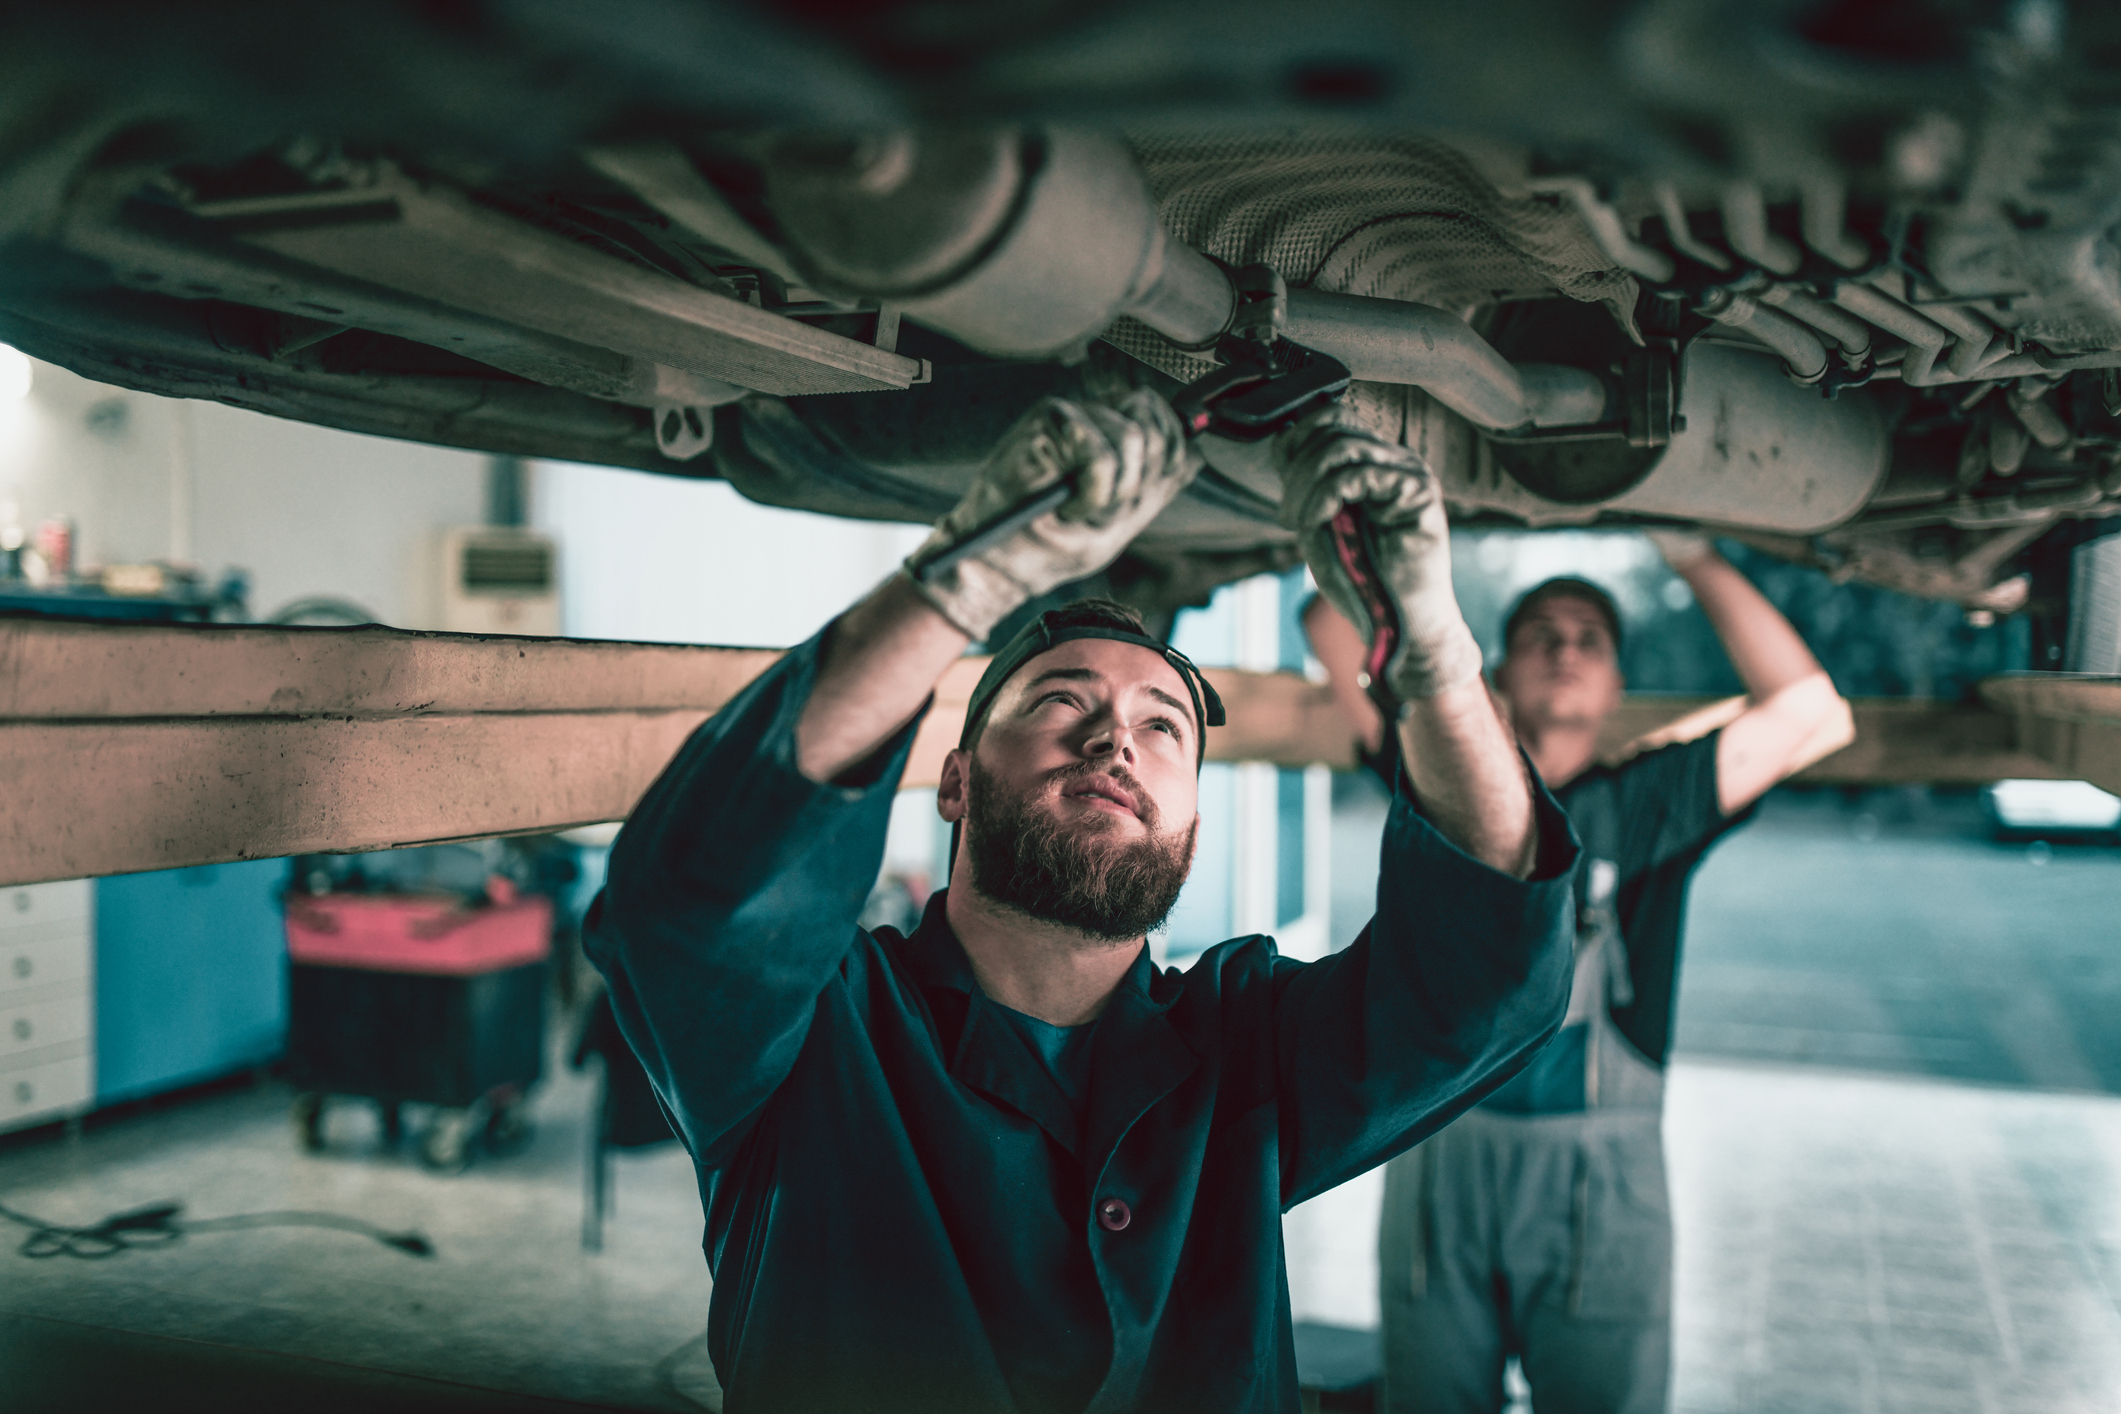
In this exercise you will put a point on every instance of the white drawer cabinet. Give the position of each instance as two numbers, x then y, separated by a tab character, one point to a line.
35	1026
26	905
31	960
38	1094
47	1002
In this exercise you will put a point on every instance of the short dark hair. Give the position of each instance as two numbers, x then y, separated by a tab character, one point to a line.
1563	587
1097	613
1093	613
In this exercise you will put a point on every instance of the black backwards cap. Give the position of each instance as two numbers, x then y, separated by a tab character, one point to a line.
1070	622
1564	587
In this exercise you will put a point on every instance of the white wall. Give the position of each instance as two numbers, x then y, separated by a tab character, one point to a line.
305	510
116	485
665	560
312	511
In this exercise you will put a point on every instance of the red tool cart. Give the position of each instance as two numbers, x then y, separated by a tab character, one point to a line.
419	999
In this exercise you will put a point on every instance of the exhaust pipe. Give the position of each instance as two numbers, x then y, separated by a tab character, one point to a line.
1028	244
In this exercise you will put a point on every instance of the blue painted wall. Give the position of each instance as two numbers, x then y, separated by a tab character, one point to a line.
191	975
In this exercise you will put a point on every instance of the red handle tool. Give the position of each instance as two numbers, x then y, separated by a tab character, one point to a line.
1351	546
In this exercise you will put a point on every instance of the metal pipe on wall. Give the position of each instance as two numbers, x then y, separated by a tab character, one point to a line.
1919	370
1927	338
2038	415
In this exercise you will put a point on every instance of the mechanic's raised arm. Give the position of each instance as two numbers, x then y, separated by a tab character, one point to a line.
1464	971
1463	764
1794	715
882	659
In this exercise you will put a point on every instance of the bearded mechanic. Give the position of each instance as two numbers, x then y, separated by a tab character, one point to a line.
1006	1162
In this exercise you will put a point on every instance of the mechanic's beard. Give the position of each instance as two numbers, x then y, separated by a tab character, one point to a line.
1080	876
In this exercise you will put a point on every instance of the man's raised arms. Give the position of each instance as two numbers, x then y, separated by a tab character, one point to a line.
1794	716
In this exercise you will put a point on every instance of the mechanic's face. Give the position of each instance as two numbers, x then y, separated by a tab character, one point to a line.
1080	799
1561	668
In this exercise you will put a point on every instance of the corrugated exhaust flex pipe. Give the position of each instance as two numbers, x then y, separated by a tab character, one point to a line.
1028	244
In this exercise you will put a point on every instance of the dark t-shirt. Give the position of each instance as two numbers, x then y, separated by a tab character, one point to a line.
1655	816
1064	1049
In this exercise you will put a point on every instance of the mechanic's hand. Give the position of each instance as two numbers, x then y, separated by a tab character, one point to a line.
1681	548
1326	462
1127	461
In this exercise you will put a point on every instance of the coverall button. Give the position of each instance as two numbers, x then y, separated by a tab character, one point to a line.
1114	1214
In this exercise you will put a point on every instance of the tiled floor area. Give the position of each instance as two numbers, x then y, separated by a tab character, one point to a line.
1869	1244
1853	1244
1879	1245
1867	1221
509	1301
1891	931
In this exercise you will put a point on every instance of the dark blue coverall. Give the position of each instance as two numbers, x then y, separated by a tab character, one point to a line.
903	1210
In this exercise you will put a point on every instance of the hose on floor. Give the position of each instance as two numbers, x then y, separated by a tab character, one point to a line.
160	1224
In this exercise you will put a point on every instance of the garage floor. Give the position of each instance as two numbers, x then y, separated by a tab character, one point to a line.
508	1302
1888	930
1880	1245
1869	1244
1851	1239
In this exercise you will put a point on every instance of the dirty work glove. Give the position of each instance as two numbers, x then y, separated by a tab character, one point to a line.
1327	461
1127	461
1681	548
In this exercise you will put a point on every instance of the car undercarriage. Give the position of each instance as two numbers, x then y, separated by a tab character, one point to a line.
1838	279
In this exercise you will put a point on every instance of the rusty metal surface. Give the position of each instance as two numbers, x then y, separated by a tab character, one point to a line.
1898	741
57	671
135	748
1928	743
116	797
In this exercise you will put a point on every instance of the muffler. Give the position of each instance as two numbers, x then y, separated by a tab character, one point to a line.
1749	449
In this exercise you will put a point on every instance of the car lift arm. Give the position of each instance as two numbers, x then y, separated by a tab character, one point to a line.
155	747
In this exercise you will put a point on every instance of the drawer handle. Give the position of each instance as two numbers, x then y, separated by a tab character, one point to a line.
23	966
23	900
23	1093
23	1028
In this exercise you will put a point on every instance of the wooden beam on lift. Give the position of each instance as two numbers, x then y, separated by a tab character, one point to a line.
2070	720
132	748
1899	741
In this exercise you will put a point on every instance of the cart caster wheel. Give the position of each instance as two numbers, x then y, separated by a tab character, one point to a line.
308	1114
447	1145
393	1120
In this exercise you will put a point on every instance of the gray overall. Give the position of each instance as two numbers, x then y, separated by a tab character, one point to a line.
1543	1235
